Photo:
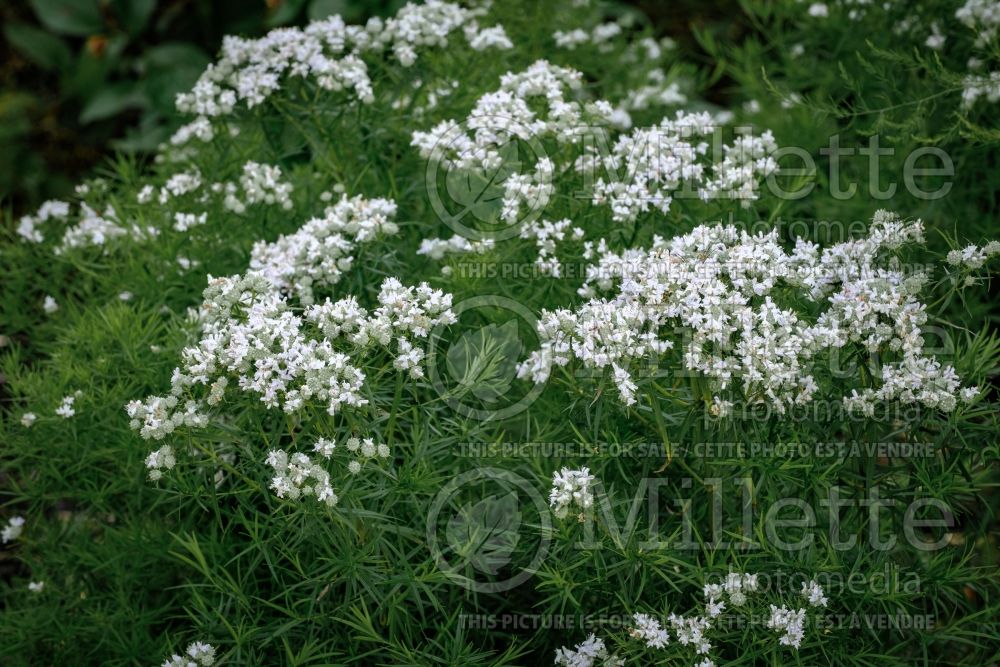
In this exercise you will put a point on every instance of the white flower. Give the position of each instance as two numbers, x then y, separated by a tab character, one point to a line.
319	253
936	39
571	488
650	631
717	282
36	586
50	305
590	653
263	184
813	592
324	447
27	419
790	623
13	529
197	654
819	10
489	38
65	409
185	221
160	460
296	476
691	631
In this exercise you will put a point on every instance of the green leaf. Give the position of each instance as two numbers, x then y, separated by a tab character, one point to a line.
111	101
134	15
484	535
70	17
42	48
176	54
170	69
482	361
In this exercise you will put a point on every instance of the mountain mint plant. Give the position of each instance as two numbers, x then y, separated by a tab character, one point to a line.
502	333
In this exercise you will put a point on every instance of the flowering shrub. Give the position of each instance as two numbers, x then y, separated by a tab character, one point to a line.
295	392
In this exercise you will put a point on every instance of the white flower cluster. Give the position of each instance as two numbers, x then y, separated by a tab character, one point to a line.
791	622
813	592
27	226
367	450
297	476
692	630
160	460
197	654
487	38
200	128
28	419
185	221
721	285
646	167
178	185
50	305
262	184
547	234
437	248
600	36
404	314
13	529
590	653
659	91
66	409
977	86
328	53
511	113
93	229
983	16
320	252
649	630
571	488
734	588
251	334
974	257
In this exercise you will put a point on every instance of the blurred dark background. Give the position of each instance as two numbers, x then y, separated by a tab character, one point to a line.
81	79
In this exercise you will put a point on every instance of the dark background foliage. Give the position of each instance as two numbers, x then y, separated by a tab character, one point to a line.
81	79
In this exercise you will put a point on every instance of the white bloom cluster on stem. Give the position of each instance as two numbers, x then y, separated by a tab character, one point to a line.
600	36
197	654
693	629
972	256
27	226
296	476
571	488
436	248
645	169
329	54
983	16
547	235
591	652
319	253
535	104
790	623
727	288
252	337
13	529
